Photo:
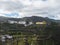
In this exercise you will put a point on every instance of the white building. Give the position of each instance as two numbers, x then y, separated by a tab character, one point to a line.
12	22
22	22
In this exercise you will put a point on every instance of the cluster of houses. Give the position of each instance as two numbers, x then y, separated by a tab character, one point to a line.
20	22
26	23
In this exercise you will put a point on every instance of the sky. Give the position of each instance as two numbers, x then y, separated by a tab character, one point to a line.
27	8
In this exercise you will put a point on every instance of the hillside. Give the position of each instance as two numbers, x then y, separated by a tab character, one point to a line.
33	19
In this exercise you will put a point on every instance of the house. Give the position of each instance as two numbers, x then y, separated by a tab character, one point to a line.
12	22
22	22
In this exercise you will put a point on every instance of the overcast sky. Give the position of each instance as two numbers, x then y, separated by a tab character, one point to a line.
22	8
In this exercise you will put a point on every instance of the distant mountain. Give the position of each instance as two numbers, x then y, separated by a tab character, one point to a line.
33	19
57	21
37	19
3	19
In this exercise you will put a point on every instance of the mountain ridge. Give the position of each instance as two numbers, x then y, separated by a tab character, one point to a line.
32	18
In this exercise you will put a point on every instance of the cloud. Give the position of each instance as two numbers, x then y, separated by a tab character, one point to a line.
44	8
18	5
54	13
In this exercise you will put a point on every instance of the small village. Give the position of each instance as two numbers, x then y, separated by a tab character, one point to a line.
26	33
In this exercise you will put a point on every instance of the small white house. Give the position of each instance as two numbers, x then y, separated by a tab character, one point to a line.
12	22
22	22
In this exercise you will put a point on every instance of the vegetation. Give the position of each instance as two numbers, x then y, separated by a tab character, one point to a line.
33	34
